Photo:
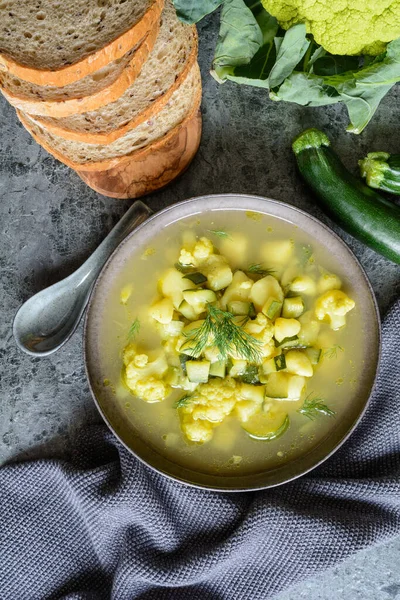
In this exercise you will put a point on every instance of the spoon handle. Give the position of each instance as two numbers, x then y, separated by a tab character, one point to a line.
134	216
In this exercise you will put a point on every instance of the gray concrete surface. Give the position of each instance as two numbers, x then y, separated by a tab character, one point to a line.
50	222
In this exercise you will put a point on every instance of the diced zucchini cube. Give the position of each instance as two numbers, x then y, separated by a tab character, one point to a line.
280	362
238	367
314	355
272	308
198	370
285	386
218	369
237	307
268	366
292	307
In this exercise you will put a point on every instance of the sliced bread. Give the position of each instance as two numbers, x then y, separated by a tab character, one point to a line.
151	168
50	43
91	92
172	57
85	156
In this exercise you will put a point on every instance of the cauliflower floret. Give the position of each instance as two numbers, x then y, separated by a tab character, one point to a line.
145	378
197	431
186	258
342	27
211	403
202	250
150	389
332	307
262	329
140	360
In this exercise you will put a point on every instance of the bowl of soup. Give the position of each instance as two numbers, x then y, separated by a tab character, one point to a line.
232	342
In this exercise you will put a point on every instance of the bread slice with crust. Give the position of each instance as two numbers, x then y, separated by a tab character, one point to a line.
87	94
151	168
173	55
85	156
50	42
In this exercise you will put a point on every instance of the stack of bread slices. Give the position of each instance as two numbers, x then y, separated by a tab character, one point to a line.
111	88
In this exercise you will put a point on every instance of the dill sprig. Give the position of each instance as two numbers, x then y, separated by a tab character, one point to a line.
221	331
259	269
313	406
332	352
184	401
219	233
134	330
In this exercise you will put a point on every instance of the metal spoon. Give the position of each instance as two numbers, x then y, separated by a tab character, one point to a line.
47	320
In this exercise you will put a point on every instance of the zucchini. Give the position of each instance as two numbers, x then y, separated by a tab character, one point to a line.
314	355
292	307
272	308
354	206
280	362
250	375
196	278
266	427
198	371
237	307
285	386
381	171
218	368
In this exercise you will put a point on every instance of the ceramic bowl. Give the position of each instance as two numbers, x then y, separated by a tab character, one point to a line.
94	352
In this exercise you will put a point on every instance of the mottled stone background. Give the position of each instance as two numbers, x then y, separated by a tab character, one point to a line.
51	222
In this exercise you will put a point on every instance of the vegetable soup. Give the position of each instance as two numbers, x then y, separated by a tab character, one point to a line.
234	342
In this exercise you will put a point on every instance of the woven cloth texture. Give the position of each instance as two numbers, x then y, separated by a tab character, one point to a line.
104	526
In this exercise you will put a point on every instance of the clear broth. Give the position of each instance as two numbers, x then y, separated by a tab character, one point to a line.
337	379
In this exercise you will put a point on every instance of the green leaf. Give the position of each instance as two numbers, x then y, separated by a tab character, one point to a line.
291	51
306	90
192	11
329	64
239	37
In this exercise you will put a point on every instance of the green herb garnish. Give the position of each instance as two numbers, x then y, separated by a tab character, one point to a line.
219	233
221	331
258	269
184	401
196	278
134	330
315	406
332	352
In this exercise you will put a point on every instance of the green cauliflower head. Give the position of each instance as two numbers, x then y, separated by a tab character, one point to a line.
342	26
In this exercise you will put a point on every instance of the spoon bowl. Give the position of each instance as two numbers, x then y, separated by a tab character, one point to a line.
46	321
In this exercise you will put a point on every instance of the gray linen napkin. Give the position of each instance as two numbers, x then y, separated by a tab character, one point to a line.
105	526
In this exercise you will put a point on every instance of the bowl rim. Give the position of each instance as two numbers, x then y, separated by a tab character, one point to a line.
173	207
